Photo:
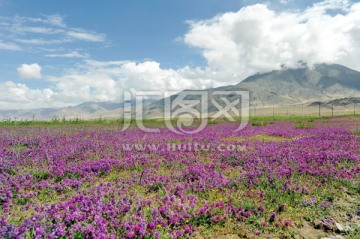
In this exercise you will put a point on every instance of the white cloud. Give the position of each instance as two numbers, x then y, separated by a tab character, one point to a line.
33	29
55	20
9	46
332	4
86	36
105	81
258	39
15	96
31	71
41	41
100	81
30	32
235	45
73	54
284	1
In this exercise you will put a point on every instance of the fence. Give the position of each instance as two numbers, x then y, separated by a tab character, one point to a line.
306	110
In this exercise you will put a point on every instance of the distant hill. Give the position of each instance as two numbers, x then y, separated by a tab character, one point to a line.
324	83
338	102
291	86
87	110
327	83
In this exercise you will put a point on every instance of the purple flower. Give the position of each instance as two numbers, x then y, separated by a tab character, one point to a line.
130	234
261	208
282	208
357	212
272	217
287	223
151	225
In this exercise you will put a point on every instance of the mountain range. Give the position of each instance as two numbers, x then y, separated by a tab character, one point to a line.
328	83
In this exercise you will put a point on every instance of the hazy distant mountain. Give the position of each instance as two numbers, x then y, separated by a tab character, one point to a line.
88	110
328	83
338	102
325	82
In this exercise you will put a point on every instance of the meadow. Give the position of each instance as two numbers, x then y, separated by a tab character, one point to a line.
281	177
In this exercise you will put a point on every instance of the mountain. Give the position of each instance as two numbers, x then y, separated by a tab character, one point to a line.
323	82
292	86
338	102
327	83
87	110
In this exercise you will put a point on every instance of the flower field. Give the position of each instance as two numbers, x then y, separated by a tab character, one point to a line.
279	179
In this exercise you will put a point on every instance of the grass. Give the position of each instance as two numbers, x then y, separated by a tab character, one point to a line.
300	121
261	120
261	137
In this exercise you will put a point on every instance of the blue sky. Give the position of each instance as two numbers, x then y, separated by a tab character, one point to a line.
56	53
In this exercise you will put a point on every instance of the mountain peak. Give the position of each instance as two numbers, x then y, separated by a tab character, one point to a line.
290	86
323	82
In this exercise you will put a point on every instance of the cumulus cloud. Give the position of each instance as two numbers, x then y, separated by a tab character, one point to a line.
235	45
15	96
30	71
257	39
101	81
106	81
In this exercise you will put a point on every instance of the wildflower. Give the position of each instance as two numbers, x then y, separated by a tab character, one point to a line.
287	223
130	234
282	208
187	229
272	217
179	233
261	209
216	219
151	225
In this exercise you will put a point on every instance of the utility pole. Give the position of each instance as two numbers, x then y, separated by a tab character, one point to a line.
273	112
319	108
354	108
302	109
332	109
